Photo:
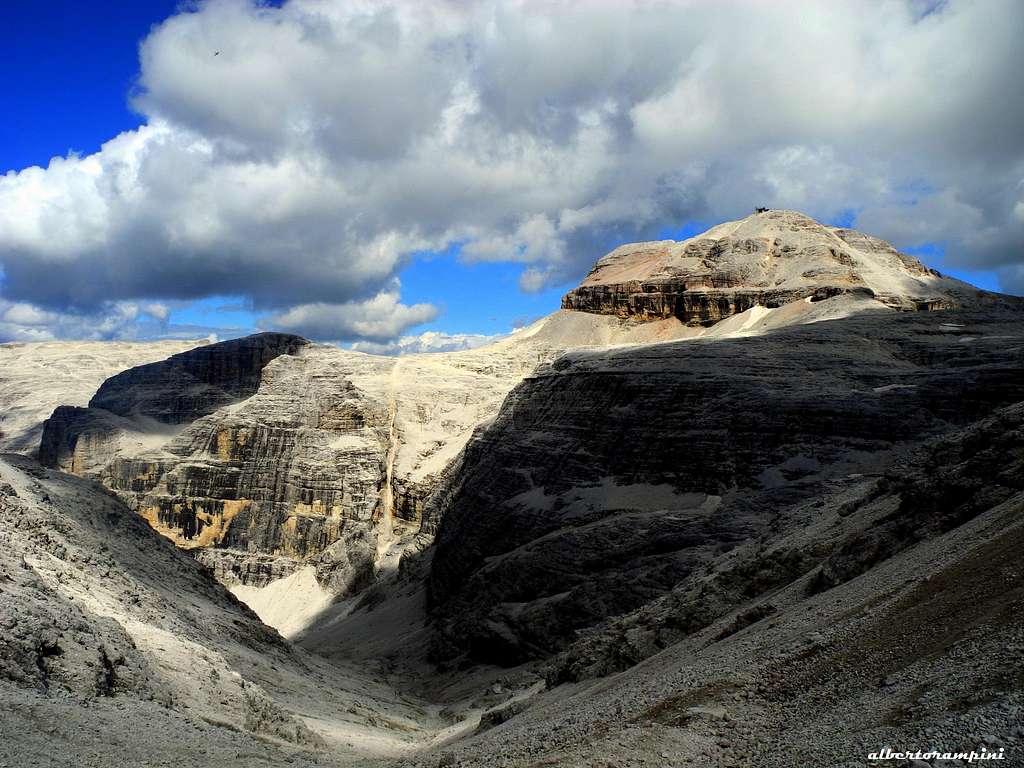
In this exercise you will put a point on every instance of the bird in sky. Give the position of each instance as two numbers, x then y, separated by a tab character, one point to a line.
216	53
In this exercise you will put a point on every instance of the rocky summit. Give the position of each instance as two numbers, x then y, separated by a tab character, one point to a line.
752	498
769	259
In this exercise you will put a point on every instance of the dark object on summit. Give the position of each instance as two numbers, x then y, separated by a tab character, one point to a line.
761	210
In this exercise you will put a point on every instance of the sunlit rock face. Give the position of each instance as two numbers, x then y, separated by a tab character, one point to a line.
769	259
293	471
252	446
268	454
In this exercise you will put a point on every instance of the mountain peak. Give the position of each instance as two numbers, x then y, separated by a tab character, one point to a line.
769	258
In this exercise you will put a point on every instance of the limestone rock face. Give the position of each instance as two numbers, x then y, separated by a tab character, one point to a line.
232	568
150	399
80	440
327	460
609	477
282	457
768	259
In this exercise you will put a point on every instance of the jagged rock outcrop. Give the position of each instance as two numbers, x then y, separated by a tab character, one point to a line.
231	567
610	477
769	260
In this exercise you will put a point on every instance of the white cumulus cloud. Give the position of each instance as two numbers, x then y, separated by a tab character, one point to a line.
378	319
428	341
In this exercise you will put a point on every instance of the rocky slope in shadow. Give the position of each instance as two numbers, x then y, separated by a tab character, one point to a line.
881	604
822	543
609	478
914	642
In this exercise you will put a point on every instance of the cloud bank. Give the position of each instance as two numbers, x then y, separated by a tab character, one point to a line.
327	142
428	341
378	319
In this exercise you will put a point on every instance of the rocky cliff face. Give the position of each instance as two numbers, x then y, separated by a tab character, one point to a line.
177	390
264	452
815	545
184	387
611	477
268	455
294	471
769	259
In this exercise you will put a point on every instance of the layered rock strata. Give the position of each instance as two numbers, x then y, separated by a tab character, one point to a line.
321	458
282	462
769	259
268	455
610	477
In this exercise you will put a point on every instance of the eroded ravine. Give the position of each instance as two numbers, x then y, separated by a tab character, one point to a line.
386	558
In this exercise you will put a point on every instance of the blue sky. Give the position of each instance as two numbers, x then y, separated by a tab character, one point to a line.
73	68
68	70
